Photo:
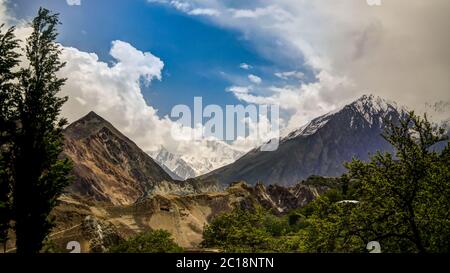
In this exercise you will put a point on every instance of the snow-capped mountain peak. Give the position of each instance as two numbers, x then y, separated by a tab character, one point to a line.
173	164
216	155
312	127
219	154
369	107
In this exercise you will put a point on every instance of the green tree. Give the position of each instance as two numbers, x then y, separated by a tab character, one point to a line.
39	174
9	59
404	200
326	228
237	231
155	241
254	230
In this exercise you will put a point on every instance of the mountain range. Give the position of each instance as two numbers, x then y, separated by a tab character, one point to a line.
319	148
108	164
119	190
173	164
182	167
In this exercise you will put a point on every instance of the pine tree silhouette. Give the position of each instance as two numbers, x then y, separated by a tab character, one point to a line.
39	173
9	59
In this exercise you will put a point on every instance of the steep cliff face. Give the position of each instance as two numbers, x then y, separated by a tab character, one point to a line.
107	166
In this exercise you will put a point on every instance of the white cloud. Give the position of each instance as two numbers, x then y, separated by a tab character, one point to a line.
387	50
299	104
22	30
4	16
290	74
254	79
188	8
208	12
245	66
73	2
239	89
182	6
114	92
136	63
272	11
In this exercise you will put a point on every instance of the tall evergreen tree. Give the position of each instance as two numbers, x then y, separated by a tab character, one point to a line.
39	174
9	59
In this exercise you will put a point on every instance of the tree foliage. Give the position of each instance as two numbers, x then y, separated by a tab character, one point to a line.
39	174
32	173
8	63
404	200
249	231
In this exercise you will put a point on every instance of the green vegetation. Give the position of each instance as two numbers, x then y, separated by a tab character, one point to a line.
319	181
403	202
249	231
259	230
155	241
32	176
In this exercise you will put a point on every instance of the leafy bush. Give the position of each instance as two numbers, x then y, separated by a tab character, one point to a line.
249	231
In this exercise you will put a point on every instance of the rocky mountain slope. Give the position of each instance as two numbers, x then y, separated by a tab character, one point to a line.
109	167
318	148
98	225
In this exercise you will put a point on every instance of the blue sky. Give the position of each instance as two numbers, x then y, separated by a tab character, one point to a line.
200	58
308	57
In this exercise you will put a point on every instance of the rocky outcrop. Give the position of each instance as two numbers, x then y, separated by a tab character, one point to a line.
281	200
100	234
98	225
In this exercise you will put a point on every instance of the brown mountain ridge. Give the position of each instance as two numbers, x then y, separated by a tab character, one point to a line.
109	167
